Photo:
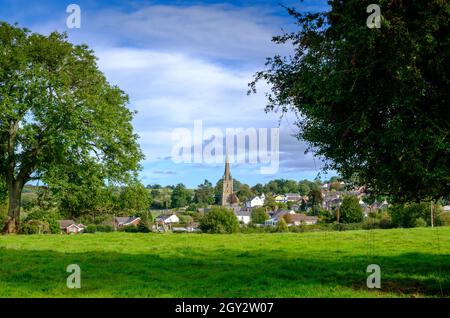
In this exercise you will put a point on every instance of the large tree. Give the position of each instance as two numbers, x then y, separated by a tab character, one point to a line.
373	101
59	117
350	211
204	194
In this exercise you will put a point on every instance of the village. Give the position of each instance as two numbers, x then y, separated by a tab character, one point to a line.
292	208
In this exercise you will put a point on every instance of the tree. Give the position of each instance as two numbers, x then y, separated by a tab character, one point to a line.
204	194
315	198
58	116
258	189
350	211
259	215
133	199
303	187
282	226
407	215
270	202
244	193
373	102
219	220
181	196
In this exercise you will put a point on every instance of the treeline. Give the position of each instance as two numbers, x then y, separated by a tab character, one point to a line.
206	193
93	204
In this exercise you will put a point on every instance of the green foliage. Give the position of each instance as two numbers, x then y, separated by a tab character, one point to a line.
204	194
406	215
244	193
282	226
185	219
130	228
347	226
282	206
133	199
60	119
181	196
104	228
350	211
315	199
50	218
35	227
374	102
161	198
420	223
259	215
91	228
270	202
219	220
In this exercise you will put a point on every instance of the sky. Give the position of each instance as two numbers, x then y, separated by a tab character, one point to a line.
183	61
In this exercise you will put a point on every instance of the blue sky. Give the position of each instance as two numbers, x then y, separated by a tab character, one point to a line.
182	61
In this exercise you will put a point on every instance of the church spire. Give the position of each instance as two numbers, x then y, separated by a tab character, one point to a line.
227	174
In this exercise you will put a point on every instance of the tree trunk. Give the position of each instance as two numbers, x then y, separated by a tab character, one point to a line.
15	195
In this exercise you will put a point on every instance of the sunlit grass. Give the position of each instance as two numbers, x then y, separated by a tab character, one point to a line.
414	263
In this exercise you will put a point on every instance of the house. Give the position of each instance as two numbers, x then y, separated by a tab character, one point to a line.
310	220
167	219
282	213
276	216
299	219
292	219
243	216
293	197
332	202
280	198
126	221
69	227
446	208
256	201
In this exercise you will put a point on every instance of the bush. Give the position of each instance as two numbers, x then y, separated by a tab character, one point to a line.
421	223
91	228
282	226
259	215
104	228
130	229
406	215
219	220
185	219
386	221
143	228
35	227
49	217
445	218
371	223
255	229
347	226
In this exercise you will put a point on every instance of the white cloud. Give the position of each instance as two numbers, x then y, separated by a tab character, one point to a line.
186	63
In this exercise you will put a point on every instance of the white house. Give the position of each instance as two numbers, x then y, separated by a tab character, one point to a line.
69	226
256	201
167	219
120	221
292	197
243	216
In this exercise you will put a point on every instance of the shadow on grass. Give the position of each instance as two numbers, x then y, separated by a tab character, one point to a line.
223	273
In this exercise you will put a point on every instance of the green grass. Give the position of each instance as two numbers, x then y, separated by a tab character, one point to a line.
414	263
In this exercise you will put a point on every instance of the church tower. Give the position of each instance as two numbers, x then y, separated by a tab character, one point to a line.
227	186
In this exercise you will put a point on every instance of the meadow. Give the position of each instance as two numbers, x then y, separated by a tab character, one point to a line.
414	263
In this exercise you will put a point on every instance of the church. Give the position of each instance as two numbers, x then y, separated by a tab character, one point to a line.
229	198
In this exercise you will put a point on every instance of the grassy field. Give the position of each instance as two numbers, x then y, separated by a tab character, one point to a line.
414	263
